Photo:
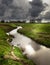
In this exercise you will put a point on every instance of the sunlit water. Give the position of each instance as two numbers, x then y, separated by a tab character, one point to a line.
38	53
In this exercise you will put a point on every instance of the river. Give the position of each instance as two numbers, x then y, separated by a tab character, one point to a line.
34	51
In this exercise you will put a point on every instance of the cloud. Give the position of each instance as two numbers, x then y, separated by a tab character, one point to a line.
46	13
23	9
7	2
0	1
14	9
37	8
2	9
47	16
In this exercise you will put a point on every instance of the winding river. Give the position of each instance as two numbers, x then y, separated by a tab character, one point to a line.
38	53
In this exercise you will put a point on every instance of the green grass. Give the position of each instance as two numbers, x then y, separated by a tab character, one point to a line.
38	32
5	48
9	62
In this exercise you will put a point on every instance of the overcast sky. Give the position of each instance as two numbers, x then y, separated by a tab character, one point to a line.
24	9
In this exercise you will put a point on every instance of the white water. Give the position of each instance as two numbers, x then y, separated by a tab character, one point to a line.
38	53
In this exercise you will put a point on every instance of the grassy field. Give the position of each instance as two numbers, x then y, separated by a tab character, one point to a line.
6	57
38	32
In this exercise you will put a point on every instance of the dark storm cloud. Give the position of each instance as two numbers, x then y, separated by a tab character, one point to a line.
14	9
20	9
2	9
0	1
37	8
7	2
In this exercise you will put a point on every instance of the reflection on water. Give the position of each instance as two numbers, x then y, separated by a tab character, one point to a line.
38	53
